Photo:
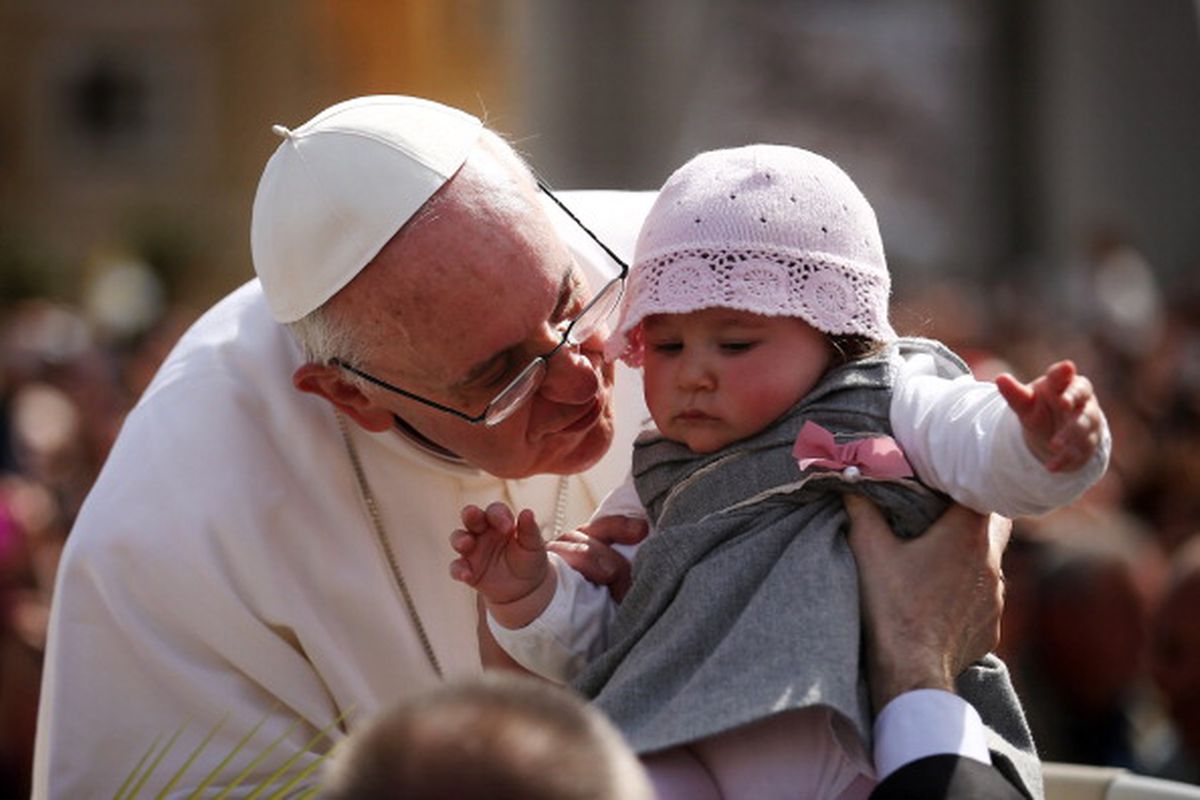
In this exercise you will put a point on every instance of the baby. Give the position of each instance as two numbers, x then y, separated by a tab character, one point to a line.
757	309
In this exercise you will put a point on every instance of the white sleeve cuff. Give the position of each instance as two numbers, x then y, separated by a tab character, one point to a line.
558	643
962	438
927	722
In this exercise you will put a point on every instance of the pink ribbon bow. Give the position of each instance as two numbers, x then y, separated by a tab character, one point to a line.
878	457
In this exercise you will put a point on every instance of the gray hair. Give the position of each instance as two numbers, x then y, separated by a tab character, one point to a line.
324	336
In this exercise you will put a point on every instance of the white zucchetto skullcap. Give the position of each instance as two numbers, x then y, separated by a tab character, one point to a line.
340	186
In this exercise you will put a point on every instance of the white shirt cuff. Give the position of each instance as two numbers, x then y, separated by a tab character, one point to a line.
927	722
558	642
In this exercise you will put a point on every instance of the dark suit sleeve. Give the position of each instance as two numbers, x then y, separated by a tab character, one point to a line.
946	776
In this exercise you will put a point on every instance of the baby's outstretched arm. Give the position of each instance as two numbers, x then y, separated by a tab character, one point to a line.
505	561
1059	415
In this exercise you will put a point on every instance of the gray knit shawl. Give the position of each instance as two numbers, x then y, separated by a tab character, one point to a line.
745	600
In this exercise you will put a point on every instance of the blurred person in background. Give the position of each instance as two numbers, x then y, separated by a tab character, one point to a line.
49	366
1164	401
1082	665
63	400
31	538
1175	663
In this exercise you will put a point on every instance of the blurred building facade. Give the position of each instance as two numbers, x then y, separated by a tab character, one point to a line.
992	136
138	128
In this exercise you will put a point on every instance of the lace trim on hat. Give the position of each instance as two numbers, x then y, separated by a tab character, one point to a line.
833	296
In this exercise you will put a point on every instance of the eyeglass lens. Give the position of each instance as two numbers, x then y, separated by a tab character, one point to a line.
517	393
594	315
582	328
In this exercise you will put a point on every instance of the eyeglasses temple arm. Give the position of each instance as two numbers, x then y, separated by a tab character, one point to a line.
624	267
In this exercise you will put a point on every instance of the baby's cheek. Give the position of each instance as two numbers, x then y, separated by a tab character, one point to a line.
763	401
655	392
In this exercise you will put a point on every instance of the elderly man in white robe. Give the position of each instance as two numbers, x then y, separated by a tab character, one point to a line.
265	552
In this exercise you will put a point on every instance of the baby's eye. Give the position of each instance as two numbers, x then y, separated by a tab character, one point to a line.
666	347
738	346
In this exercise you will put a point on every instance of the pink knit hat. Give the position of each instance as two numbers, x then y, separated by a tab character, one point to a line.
769	229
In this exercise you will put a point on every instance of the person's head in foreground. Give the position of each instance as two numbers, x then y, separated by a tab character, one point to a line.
499	737
757	269
447	331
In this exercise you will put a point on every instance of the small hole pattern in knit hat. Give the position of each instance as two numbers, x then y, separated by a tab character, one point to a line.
768	229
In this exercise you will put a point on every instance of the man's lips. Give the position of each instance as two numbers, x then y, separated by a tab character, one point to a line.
586	420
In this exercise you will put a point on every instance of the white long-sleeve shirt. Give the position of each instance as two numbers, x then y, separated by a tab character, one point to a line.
960	437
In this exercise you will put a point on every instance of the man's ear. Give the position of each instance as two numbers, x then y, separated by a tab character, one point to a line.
328	381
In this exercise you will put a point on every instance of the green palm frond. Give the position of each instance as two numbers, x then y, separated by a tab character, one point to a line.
133	774
286	766
192	757
220	768
289	774
141	781
258	759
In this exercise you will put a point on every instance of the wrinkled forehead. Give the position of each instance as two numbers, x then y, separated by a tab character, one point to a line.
475	277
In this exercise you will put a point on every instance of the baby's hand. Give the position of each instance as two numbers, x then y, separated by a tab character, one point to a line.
504	560
1059	413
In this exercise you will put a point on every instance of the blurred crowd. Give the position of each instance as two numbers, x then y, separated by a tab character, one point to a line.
68	375
1102	618
1102	624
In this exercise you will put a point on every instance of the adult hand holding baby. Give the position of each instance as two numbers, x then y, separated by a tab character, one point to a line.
906	587
589	550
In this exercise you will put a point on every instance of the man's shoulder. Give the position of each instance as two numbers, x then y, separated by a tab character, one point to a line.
615	217
606	204
214	426
228	378
236	336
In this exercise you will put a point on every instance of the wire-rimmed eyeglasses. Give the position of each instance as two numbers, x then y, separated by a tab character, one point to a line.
582	327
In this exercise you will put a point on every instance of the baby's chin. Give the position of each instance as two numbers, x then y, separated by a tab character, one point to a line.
700	437
705	449
703	444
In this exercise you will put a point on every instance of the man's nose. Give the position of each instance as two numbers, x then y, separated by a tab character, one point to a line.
572	374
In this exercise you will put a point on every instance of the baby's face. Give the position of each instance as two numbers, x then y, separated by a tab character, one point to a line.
715	376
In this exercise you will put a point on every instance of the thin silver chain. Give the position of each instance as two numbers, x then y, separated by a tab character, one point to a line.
377	523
